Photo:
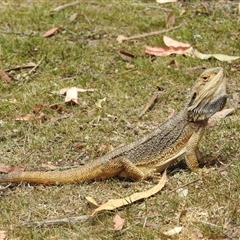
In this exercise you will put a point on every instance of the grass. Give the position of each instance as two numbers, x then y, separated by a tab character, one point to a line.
86	54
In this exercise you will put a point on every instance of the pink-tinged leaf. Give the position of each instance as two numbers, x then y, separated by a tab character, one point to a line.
173	43
51	32
166	51
170	19
2	235
118	222
219	115
220	57
4	168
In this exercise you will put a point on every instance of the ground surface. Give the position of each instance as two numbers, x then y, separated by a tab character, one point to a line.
85	53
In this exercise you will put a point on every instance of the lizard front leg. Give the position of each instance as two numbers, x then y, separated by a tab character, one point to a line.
193	155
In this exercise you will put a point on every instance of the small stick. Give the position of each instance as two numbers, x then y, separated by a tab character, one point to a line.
37	65
122	38
150	103
60	221
59	8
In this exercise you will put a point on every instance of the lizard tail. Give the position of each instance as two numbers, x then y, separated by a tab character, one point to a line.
92	171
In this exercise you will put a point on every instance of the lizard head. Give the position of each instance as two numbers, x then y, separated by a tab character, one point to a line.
208	95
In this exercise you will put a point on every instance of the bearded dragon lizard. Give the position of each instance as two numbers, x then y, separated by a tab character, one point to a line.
157	150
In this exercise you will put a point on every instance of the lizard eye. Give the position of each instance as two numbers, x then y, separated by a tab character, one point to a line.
205	78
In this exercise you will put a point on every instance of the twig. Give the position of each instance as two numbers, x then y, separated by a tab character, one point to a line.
36	66
122	38
196	180
150	103
3	188
30	65
59	8
60	221
14	32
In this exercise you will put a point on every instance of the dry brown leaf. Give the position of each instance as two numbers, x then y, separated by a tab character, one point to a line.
118	222
5	77
219	115
92	201
48	165
51	32
27	117
170	19
116	203
4	168
2	235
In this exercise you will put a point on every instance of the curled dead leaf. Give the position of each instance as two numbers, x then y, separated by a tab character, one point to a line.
116	203
51	32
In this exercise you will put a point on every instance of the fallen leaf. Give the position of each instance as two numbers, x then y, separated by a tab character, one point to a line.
5	77
173	231
72	93
92	201
170	19
51	32
116	203
166	1
220	57
4	168
73	17
27	117
118	222
2	235
100	102
166	51
219	115
173	43
71	96
48	165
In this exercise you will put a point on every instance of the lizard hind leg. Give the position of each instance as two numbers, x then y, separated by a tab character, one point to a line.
130	170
